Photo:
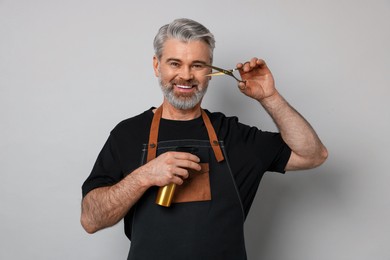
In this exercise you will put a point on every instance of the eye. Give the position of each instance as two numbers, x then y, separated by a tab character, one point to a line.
198	66
174	64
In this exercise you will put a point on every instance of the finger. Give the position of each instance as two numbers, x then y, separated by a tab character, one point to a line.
253	62
246	67
185	156
186	164
242	86
175	176
243	66
182	160
182	173
260	62
176	180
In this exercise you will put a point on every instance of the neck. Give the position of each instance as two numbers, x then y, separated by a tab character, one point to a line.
172	113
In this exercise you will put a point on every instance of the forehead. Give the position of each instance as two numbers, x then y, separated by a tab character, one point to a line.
186	51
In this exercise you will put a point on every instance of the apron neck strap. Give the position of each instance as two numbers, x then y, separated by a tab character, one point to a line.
153	135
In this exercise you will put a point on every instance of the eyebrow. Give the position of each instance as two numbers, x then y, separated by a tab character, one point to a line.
172	59
195	61
200	61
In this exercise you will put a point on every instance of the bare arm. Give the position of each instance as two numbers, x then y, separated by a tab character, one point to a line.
106	206
307	149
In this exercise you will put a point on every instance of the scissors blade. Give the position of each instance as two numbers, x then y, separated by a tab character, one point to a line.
220	71
216	74
223	71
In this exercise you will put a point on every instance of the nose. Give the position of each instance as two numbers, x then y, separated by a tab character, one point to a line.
186	73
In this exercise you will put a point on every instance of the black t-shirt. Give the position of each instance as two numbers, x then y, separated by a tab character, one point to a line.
250	151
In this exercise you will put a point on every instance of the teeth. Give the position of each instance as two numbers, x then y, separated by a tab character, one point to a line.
182	86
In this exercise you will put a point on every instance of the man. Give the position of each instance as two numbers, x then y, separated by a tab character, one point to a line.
215	162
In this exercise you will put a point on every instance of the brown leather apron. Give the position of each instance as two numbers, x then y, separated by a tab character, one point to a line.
206	218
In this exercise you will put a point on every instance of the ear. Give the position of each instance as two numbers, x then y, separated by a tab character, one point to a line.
155	66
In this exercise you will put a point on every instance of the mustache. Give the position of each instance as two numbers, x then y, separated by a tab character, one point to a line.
185	82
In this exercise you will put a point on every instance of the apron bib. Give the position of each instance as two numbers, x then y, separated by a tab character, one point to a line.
205	220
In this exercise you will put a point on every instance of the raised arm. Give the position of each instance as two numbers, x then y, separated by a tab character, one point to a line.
307	149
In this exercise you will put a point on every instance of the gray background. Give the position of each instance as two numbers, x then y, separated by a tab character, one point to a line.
71	70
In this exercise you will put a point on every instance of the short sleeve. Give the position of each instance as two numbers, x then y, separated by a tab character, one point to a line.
106	170
252	148
278	151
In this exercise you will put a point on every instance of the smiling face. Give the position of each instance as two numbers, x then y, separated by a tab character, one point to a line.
181	72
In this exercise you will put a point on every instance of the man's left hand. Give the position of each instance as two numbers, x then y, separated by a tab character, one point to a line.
259	82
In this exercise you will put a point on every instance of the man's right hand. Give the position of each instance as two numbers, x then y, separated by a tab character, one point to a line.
169	167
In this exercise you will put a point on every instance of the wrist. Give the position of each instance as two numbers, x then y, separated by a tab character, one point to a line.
137	177
272	100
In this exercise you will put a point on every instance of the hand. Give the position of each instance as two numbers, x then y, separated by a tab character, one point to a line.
169	167
259	82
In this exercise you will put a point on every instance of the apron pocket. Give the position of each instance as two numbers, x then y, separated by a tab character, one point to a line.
196	187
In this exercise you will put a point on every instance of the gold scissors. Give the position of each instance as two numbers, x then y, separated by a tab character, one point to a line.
223	72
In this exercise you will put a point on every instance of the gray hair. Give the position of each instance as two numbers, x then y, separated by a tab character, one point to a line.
185	30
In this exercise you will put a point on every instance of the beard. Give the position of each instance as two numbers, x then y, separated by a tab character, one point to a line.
182	101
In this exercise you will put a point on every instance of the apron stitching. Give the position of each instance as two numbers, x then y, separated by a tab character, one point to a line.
234	184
